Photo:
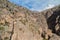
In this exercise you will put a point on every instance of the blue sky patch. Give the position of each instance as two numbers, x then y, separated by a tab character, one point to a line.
36	5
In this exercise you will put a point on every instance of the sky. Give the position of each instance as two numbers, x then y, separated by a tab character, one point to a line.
36	5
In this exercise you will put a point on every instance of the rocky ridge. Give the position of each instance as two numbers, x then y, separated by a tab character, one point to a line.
19	23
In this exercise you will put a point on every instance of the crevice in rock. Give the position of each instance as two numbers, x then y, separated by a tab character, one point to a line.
12	32
51	21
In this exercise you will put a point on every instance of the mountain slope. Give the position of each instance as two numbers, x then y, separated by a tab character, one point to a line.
18	23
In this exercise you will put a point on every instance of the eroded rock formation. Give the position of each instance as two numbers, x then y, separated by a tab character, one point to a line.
18	23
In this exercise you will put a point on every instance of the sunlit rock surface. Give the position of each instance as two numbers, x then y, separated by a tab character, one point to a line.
18	23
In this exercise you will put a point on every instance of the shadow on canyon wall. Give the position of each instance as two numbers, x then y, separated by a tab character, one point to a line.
51	21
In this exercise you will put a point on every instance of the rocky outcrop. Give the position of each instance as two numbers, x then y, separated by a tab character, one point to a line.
18	23
55	37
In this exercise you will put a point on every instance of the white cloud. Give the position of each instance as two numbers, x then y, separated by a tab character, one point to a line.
47	7
50	6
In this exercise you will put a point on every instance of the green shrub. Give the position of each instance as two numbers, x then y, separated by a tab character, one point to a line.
6	38
1	28
45	39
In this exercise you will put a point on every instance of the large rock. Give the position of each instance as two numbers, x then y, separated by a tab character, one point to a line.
19	23
55	37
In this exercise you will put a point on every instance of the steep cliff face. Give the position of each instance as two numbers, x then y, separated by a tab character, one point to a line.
18	23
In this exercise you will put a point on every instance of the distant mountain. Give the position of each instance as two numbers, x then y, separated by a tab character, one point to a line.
19	23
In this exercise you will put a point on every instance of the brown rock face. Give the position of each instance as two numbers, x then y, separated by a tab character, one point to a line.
18	23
